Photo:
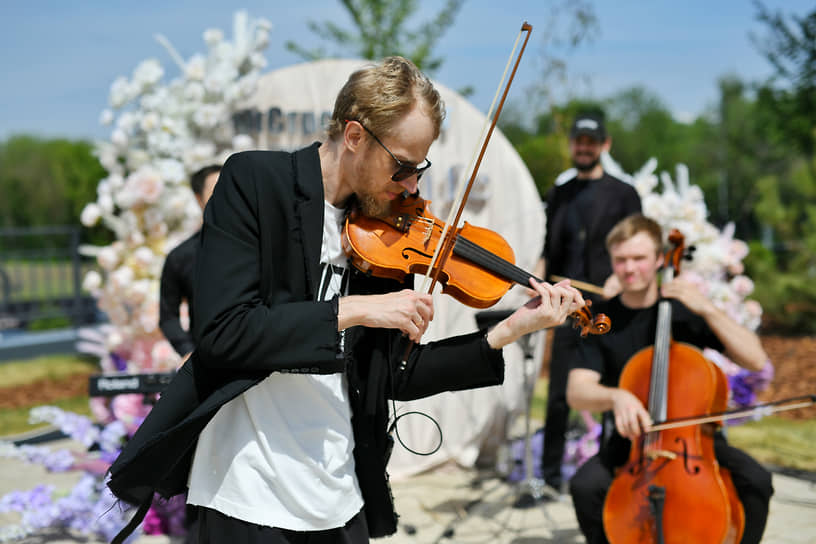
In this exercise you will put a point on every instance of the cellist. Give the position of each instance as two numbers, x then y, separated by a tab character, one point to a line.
634	246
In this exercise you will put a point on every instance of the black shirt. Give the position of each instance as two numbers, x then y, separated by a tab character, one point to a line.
633	330
177	285
580	213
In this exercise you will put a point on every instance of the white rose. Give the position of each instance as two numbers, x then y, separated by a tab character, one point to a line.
120	92
92	281
196	68
106	117
147	73
213	36
90	215
107	258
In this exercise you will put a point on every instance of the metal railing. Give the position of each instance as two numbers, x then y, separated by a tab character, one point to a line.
41	279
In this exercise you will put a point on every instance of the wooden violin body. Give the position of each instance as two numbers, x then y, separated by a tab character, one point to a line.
404	243
700	503
479	270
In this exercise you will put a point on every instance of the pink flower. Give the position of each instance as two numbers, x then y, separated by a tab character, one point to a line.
99	410
742	285
153	523
130	410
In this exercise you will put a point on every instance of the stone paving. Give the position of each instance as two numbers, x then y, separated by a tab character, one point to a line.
450	505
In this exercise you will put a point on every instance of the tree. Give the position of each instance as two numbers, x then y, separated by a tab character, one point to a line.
46	182
381	30
791	92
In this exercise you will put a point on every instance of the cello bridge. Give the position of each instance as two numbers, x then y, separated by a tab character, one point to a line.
655	454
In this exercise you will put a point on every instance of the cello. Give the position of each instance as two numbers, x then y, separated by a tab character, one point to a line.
671	489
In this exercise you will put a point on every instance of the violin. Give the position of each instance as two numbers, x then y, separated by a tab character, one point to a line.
671	489
478	272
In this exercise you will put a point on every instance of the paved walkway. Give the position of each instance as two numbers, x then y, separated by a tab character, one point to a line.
450	505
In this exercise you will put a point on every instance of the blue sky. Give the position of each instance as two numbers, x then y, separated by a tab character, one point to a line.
59	58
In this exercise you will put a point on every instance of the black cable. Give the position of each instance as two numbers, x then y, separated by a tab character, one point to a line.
393	427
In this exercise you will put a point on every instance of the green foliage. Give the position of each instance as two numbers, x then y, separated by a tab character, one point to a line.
46	182
383	28
791	94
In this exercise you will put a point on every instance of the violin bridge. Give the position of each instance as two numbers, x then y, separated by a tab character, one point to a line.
428	226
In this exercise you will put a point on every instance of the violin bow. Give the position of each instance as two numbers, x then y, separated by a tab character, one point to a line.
761	410
445	247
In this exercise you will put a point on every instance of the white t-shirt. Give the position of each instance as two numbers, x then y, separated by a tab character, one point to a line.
281	454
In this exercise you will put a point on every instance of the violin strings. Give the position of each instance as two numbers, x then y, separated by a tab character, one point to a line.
489	260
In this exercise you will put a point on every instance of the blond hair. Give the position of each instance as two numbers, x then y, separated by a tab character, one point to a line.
379	95
631	225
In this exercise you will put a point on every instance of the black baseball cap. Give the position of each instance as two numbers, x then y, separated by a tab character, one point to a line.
590	124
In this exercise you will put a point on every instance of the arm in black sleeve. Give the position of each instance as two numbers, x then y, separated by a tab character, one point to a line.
169	302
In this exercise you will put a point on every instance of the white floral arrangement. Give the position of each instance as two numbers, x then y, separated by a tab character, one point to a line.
161	134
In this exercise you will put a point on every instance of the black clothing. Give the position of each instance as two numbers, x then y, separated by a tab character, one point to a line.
177	285
216	528
632	330
256	276
580	213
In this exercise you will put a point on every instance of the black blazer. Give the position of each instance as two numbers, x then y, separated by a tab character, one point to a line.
256	276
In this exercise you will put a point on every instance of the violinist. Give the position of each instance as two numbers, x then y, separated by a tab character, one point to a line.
635	249
298	354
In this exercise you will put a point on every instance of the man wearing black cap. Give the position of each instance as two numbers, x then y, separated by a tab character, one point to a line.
580	213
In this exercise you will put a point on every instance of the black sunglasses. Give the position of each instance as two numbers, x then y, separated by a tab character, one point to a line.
404	171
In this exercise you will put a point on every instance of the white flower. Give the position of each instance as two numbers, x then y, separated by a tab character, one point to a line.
147	73
92	281
119	138
107	258
242	142
106	117
213	36
120	92
122	277
150	121
146	185
90	214
209	115
143	256
196	68
194	91
171	171
105	203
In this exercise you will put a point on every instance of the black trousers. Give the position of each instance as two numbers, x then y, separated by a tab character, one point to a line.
213	527
590	483
564	350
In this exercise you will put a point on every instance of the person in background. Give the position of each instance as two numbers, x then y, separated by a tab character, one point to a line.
176	283
580	213
635	248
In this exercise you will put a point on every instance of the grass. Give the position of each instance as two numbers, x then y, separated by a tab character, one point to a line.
53	367
56	367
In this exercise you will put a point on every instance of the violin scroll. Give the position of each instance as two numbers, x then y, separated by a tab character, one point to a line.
589	324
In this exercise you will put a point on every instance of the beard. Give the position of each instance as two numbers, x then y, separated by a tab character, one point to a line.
371	207
586	165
